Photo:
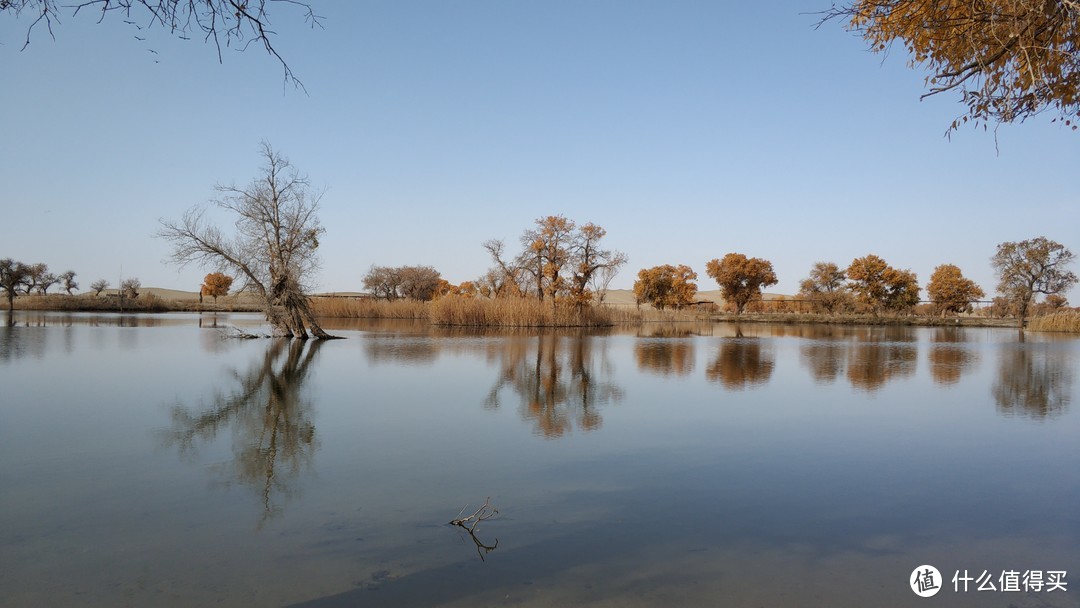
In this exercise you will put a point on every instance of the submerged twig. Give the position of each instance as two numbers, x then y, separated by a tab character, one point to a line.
470	522
484	513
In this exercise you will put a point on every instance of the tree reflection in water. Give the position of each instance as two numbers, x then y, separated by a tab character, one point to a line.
881	355
950	356
664	357
561	380
269	419
668	350
741	363
825	359
18	342
1034	380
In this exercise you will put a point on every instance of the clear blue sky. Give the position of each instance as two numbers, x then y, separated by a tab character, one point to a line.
688	129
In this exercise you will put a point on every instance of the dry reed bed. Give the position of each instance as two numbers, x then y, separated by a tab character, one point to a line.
1066	320
515	312
366	308
146	302
143	303
482	312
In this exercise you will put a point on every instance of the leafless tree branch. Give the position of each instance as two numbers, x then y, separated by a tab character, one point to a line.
223	22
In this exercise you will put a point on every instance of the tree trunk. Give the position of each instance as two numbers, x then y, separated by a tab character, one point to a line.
290	312
1021	314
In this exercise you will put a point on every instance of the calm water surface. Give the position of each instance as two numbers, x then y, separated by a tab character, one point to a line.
146	461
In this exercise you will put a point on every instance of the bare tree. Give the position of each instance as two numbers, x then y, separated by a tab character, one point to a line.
34	274
601	279
383	282
129	288
45	281
273	249
99	286
419	282
39	279
13	275
67	281
505	278
232	23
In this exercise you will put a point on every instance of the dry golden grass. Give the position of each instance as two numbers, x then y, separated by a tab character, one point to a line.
516	312
146	302
1066	320
647	314
483	312
367	308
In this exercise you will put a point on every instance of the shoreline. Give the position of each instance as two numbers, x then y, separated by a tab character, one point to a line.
157	305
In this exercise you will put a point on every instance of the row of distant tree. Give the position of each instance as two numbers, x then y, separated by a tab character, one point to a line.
830	289
869	284
277	237
35	278
560	261
18	278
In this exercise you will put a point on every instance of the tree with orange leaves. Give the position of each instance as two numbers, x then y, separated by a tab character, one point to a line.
741	278
559	259
666	285
547	253
1008	59
880	286
216	284
950	291
590	258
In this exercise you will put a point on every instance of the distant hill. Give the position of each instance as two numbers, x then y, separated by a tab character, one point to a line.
165	294
171	294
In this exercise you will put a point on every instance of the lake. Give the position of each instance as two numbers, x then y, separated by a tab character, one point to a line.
150	461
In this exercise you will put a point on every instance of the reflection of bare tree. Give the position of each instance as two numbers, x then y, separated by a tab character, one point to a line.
19	342
665	357
561	380
950	356
1034	380
274	439
741	363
